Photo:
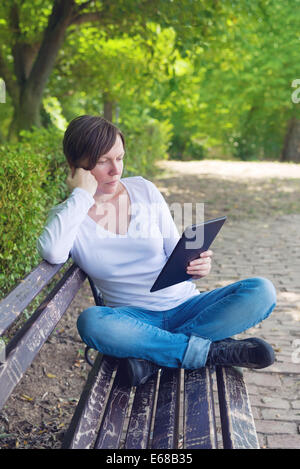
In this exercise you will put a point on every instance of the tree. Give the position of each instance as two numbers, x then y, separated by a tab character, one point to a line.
34	41
33	62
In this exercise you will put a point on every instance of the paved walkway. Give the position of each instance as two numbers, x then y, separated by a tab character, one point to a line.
275	391
266	246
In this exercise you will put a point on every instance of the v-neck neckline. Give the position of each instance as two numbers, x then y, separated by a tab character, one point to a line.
113	234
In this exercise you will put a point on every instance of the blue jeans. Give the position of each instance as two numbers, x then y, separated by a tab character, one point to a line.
181	336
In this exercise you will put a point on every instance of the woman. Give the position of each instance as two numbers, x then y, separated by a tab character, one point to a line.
108	227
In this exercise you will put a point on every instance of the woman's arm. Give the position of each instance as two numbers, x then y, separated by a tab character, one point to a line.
58	236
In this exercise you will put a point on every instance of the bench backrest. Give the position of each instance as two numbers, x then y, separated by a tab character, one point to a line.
24	346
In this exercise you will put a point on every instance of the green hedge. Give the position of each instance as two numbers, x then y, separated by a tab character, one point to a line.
30	183
33	176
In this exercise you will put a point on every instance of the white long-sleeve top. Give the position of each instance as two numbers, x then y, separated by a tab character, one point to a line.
123	267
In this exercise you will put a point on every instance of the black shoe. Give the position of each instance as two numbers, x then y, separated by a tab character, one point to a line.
247	353
138	371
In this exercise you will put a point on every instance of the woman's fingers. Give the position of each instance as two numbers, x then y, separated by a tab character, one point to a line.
201	266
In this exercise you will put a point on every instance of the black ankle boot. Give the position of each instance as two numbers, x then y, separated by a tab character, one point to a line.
138	371
247	353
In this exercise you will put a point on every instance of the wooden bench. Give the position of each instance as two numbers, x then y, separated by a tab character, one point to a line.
173	405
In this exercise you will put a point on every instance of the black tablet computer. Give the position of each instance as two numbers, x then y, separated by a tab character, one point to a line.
194	240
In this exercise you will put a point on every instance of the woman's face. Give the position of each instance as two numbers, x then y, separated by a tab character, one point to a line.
109	168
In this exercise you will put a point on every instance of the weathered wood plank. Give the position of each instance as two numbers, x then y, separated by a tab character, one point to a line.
165	432
138	432
238	428
199	430
114	416
22	349
19	298
85	423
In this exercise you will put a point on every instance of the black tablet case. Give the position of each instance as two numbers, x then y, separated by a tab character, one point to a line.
174	271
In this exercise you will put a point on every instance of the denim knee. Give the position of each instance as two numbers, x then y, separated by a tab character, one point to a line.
266	294
102	329
86	320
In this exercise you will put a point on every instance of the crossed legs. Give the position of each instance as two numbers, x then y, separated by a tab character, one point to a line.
181	336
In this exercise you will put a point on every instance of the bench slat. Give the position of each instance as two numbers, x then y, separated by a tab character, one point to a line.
114	416
165	432
199	431
238	426
138	432
82	431
23	348
21	296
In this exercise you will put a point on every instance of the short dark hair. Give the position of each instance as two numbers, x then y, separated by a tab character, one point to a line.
89	137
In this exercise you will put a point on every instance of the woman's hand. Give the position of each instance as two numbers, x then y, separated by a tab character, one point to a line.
200	267
82	178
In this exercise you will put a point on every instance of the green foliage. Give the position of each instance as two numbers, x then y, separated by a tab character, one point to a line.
233	90
219	72
31	181
248	68
147	141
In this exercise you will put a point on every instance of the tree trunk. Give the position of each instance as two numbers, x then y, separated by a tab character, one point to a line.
108	107
26	114
32	75
291	147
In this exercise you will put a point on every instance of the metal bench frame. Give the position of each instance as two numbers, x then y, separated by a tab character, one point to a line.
159	410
